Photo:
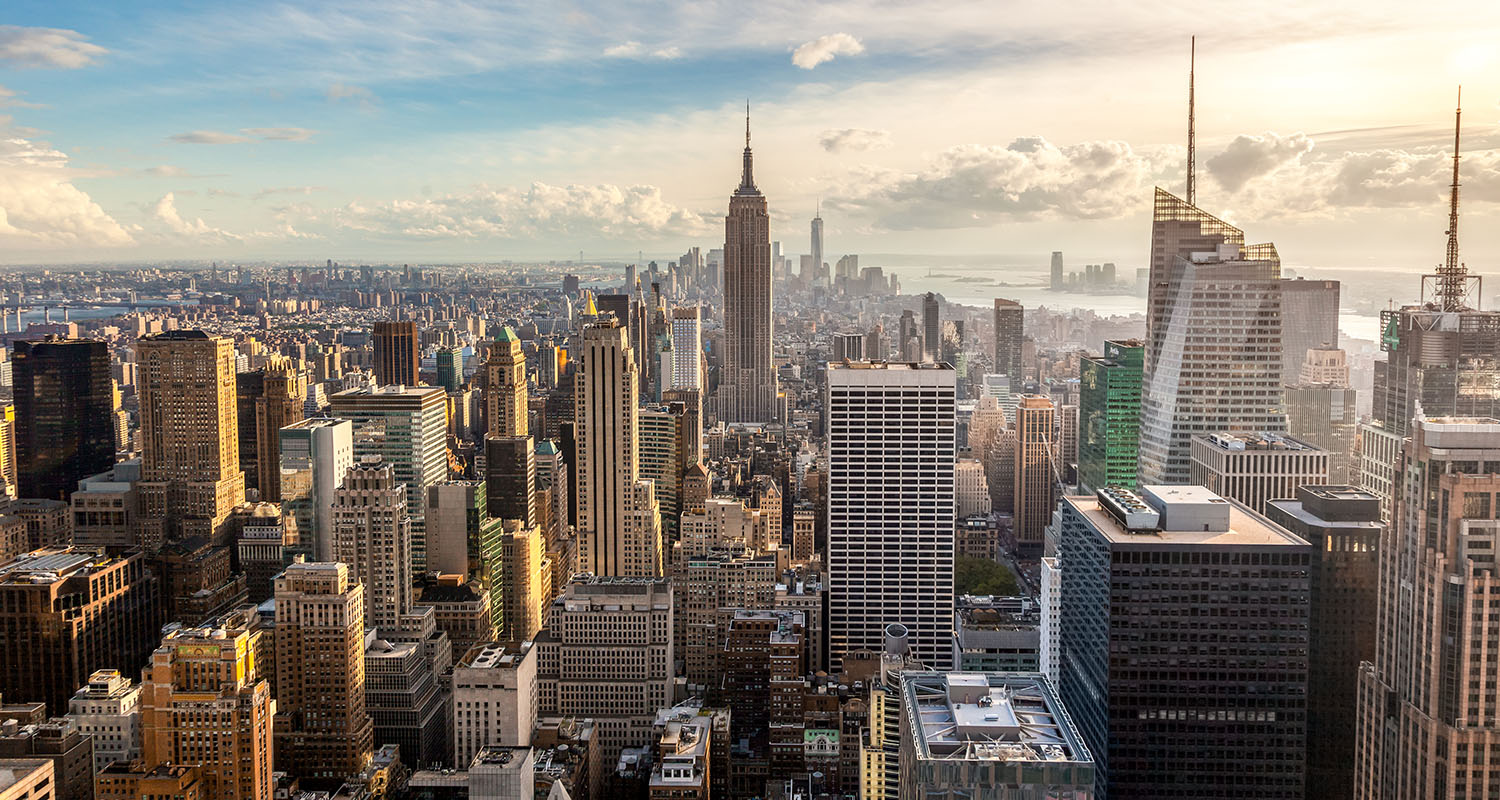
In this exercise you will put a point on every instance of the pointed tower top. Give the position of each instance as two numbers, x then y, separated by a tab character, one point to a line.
1192	189
747	178
1451	274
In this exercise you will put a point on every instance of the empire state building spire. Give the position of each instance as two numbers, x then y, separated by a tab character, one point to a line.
747	180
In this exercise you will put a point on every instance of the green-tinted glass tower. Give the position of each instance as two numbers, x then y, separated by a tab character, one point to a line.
1109	410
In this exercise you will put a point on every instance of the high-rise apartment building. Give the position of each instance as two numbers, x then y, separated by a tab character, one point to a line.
890	506
1213	357
664	456
190	461
611	538
1010	337
64	411
510	478
465	539
1427	719
397	356
1309	321
323	733
687	348
1343	526
406	426
932	327
372	535
65	613
315	456
1174	693
506	390
405	702
630	619
1037	472
204	702
1109	416
1256	468
747	387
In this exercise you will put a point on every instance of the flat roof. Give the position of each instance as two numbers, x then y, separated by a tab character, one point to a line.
1246	528
990	716
1256	441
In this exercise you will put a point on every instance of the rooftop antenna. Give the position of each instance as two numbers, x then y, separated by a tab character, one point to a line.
1451	275
1192	189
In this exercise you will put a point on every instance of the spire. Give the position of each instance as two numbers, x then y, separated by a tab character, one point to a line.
1451	276
1192	189
747	180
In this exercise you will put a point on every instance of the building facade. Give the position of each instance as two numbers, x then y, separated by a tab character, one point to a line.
64	410
1109	416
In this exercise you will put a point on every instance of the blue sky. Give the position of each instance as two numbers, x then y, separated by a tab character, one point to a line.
465	131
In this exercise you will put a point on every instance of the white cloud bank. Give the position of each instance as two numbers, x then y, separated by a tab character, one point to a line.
40	208
57	48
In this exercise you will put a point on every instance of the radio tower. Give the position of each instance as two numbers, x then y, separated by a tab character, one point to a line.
1192	191
1451	283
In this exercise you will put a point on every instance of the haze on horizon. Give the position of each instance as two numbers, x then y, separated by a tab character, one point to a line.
386	131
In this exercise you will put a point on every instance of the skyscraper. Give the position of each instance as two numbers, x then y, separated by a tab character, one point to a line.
315	456
1342	524
817	277
1321	409
450	368
608	462
890	507
396	353
1255	468
406	427
1010	335
284	389
1036	473
65	613
1174	697
1057	271
1109	416
64	413
1213	353
506	390
190	461
372	535
931	328
323	733
1309	321
205	702
687	349
747	390
1427	714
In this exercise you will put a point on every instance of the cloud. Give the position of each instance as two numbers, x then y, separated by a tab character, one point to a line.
46	47
854	140
343	91
623	50
245	135
578	211
634	49
39	205
824	48
280	134
172	171
9	98
166	213
304	190
1248	157
205	137
981	185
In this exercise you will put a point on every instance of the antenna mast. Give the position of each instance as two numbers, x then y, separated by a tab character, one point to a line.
1451	274
1192	189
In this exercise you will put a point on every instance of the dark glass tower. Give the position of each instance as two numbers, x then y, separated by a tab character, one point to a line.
64	415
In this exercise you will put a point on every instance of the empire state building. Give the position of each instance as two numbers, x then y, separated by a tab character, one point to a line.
747	390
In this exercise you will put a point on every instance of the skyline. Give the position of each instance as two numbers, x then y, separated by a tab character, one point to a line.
484	133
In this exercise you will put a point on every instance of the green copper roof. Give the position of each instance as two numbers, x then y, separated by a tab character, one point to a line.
507	335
